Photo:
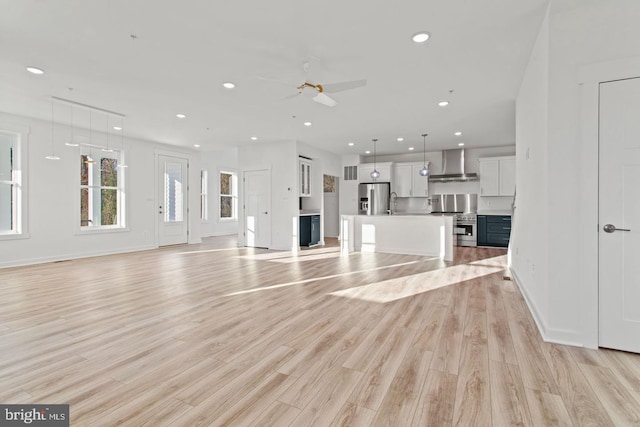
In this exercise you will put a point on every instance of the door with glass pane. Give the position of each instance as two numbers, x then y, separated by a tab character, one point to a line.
172	200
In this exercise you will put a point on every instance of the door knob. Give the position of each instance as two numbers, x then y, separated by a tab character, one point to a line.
610	228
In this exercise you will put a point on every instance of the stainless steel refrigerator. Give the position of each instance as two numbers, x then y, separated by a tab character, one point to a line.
373	199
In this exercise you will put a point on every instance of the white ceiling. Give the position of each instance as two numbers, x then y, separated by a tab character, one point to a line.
185	50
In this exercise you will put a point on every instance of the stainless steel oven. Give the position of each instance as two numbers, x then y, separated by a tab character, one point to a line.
465	229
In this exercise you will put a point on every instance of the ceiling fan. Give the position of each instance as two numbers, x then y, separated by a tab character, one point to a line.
323	89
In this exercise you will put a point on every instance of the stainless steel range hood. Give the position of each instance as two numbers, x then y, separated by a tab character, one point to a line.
453	168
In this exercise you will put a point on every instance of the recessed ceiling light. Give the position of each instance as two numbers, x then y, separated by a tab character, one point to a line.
307	124
411	148
254	138
52	157
443	103
421	37
71	144
400	139
351	144
35	70
367	152
181	116
196	145
461	144
457	133
117	128
229	85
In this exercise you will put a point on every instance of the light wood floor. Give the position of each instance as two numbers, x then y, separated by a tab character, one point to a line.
212	334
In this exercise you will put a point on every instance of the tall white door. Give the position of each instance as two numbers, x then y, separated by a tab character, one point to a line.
172	200
619	215
331	217
257	208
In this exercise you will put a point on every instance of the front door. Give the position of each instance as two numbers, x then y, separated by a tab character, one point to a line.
619	215
172	200
257	204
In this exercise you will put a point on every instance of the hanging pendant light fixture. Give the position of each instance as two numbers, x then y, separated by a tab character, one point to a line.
425	170
70	143
122	165
90	156
52	156
374	173
107	150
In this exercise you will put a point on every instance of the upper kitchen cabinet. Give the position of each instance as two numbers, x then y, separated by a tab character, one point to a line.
365	169
304	170
497	176
407	181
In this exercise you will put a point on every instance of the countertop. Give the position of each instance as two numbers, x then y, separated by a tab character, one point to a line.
308	212
499	213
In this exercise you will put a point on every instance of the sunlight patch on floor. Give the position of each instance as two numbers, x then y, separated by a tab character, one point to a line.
403	287
314	279
287	257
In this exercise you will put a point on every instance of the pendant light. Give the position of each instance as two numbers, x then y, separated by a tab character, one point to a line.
107	150
374	173
425	170
70	143
52	156
122	165
90	160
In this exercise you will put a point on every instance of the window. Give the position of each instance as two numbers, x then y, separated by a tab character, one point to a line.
11	185
204	199
101	195
228	196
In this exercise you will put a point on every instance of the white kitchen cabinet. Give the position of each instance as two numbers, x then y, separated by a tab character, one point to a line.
407	181
304	170
365	169
497	176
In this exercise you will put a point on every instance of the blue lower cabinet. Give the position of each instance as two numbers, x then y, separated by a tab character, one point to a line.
309	230
482	230
494	230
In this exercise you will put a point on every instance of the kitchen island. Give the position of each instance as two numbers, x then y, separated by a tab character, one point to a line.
426	235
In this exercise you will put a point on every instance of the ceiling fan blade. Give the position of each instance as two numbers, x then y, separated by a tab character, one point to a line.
269	79
324	100
339	87
289	97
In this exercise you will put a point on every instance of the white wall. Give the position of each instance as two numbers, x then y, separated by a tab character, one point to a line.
579	34
281	159
52	200
530	224
348	194
215	162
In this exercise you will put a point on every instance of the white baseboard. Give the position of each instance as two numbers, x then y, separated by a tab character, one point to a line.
71	256
552	335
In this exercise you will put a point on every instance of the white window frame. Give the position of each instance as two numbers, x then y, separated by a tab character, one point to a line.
94	175
233	195
204	195
20	229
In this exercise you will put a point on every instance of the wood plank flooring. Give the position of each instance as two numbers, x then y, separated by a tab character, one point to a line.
215	335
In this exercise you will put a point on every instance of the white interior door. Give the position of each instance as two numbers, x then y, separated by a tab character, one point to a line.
172	200
619	211
331	209
257	207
